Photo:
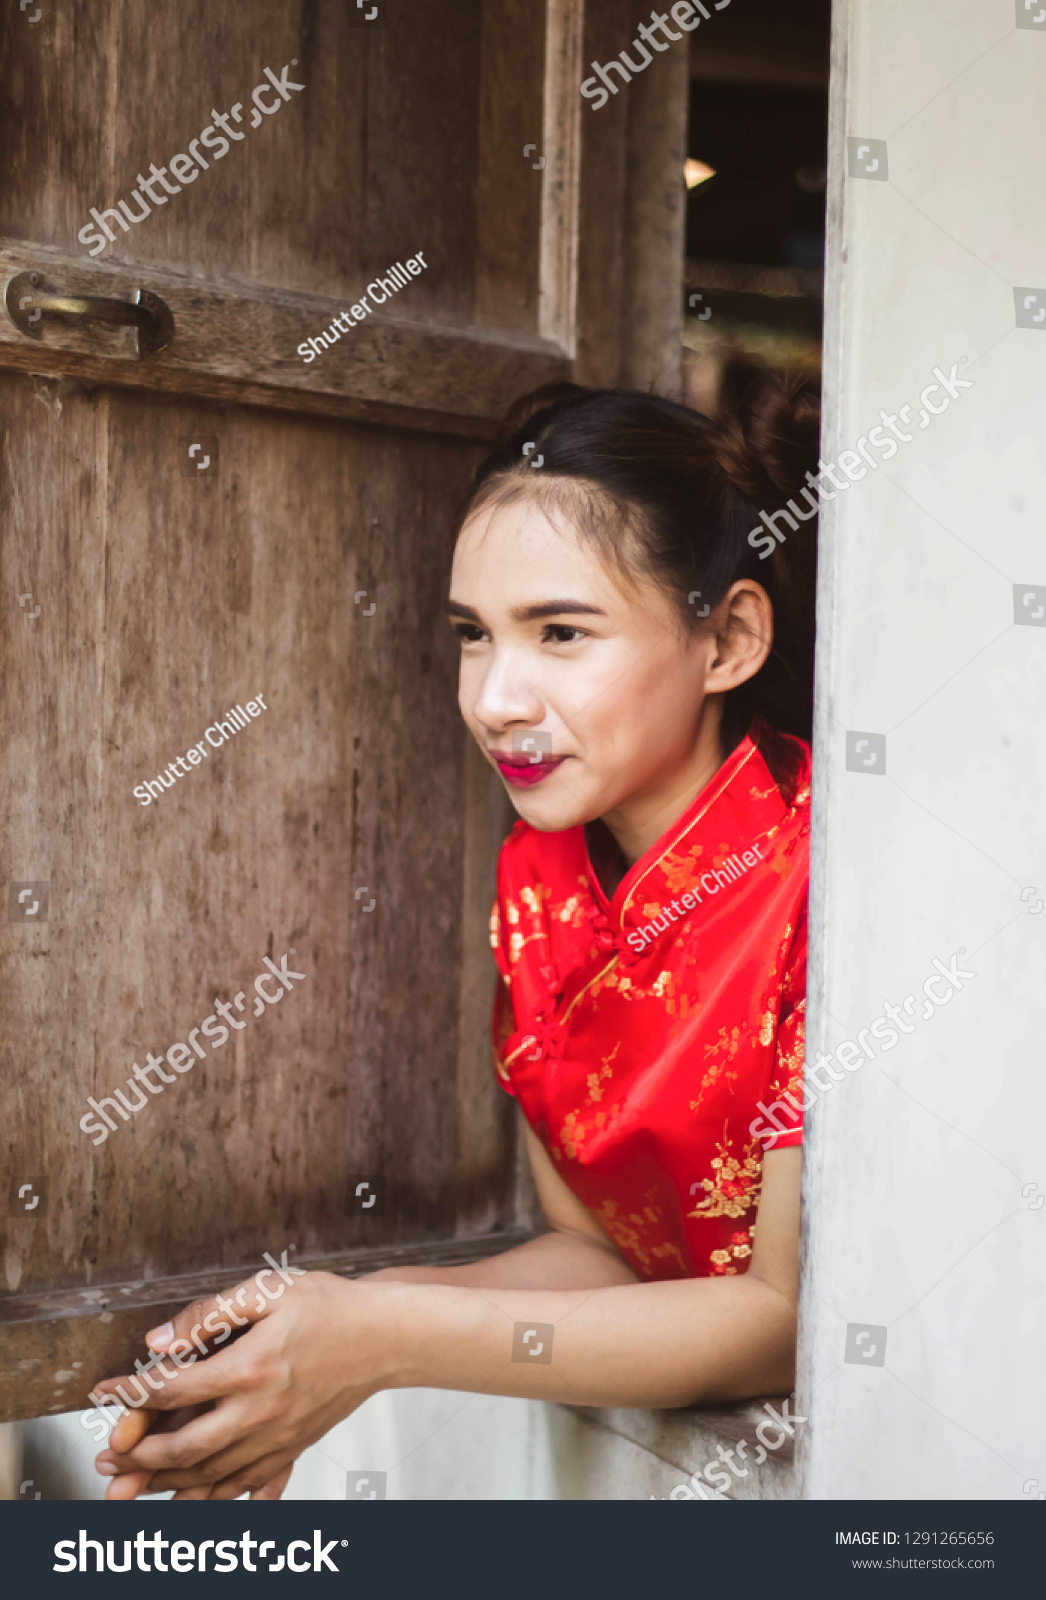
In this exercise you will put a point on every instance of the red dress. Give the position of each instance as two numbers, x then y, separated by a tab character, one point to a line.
641	1034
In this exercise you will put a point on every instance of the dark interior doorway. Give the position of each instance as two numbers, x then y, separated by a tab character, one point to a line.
756	192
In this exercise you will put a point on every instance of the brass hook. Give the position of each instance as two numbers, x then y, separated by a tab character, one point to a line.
149	315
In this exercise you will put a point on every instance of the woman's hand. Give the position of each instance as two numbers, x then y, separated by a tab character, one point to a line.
306	1359
237	1421
133	1426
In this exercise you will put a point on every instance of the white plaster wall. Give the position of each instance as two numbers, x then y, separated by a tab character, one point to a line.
429	1444
926	1169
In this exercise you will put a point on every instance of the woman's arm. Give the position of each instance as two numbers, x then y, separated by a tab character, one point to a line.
625	1343
574	1254
330	1343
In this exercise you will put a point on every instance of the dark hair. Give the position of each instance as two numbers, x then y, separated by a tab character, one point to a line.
665	491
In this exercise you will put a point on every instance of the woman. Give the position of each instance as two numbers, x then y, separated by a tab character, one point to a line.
619	668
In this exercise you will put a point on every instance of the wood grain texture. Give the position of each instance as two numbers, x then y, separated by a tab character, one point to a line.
508	189
55	1347
374	159
631	214
602	206
231	344
154	623
655	242
561	196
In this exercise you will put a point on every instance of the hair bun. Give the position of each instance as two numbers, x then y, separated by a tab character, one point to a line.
768	438
528	405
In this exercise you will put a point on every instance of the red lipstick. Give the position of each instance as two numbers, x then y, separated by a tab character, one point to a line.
522	773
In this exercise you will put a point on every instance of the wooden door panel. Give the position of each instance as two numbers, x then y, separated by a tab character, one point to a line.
171	593
260	848
391	137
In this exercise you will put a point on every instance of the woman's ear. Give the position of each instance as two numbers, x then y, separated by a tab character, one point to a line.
744	632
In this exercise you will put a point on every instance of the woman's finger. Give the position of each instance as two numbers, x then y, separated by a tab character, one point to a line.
205	1324
180	1454
132	1427
191	1381
171	1389
263	1480
255	1456
273	1490
126	1485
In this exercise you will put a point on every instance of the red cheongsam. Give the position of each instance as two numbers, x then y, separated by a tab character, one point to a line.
640	1034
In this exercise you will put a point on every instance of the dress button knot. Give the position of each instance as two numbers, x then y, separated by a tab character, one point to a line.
543	1038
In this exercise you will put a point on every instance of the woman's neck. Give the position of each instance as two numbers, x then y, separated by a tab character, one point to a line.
639	822
604	852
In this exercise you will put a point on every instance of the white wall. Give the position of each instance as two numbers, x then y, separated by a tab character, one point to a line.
919	1218
428	1444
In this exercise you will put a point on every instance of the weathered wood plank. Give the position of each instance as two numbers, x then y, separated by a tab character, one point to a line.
237	345
55	1347
166	600
508	188
601	220
380	142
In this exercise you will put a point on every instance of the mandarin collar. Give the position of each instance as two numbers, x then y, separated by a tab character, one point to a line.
740	803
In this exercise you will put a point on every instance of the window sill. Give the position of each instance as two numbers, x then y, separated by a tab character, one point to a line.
687	1440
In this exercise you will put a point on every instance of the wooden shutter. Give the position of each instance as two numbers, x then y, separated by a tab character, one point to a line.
349	822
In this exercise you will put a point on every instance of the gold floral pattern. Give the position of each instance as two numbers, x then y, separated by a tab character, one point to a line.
739	1250
631	1234
734	1185
727	1043
596	1079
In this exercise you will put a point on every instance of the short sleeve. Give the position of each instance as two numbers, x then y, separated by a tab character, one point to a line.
786	1081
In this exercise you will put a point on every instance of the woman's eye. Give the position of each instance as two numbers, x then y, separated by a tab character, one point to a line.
468	632
560	633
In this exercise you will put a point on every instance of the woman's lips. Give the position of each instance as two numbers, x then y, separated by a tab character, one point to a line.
524	774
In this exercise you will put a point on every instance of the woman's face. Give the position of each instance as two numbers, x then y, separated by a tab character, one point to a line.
582	690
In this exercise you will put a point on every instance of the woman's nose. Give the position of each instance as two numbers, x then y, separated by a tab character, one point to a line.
506	697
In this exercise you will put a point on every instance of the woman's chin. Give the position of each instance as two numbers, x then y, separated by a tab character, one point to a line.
548	810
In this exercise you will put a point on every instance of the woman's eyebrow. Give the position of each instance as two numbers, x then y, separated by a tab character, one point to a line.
534	613
555	608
